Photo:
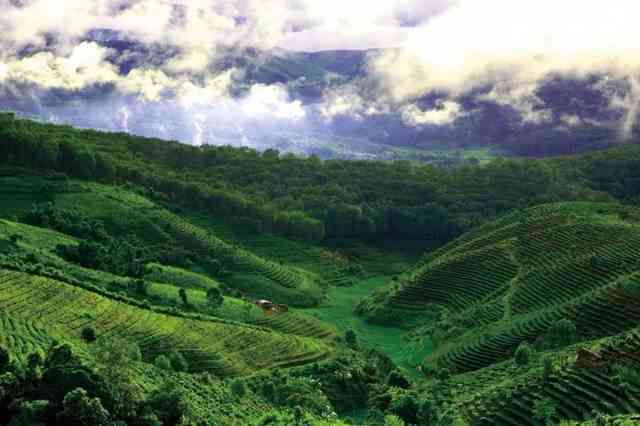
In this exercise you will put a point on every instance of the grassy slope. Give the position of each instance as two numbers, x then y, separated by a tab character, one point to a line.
501	284
39	244
36	311
126	213
507	283
392	341
507	393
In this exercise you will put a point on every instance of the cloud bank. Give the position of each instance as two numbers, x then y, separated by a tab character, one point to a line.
176	48
444	58
513	47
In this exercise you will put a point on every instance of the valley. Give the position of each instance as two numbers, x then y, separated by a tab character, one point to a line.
319	213
163	282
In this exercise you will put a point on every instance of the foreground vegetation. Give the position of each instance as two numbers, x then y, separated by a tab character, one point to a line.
130	270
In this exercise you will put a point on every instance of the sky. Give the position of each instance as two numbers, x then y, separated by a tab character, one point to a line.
449	47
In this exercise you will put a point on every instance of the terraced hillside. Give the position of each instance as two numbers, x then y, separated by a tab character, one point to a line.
553	386
510	281
225	349
124	212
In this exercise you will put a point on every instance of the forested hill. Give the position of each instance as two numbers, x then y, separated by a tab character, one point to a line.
312	199
144	282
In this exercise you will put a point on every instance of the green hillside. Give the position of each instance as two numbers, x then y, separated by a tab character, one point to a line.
144	282
543	278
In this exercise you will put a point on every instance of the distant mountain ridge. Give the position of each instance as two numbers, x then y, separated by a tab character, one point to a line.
577	113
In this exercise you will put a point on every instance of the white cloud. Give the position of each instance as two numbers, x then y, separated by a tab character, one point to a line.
352	100
446	113
473	43
630	105
271	101
4	71
521	96
447	46
344	37
85	66
356	24
571	120
148	83
214	89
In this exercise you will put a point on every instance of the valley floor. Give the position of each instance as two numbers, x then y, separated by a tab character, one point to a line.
338	310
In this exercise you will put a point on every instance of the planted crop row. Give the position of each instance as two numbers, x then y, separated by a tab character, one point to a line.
294	323
241	258
460	282
208	346
575	394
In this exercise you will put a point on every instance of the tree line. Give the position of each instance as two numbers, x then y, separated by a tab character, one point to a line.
312	199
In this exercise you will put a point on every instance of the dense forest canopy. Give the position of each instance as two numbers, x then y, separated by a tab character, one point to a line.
313	199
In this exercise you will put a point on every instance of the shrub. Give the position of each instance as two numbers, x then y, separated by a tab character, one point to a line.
183	296
5	358
162	362
215	298
523	354
141	287
351	339
169	405
392	420
561	333
79	409
398	380
239	388
89	334
545	411
178	362
548	369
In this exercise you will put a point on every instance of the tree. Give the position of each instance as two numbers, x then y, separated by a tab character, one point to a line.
82	410
162	362
351	339
5	359
239	388
548	369
215	267
523	354
141	287
32	413
183	296
545	410
89	334
35	361
215	298
169	405
178	362
391	420
410	408
121	393
561	333
398	380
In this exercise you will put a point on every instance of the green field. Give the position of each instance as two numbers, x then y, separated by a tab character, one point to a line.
148	283
339	311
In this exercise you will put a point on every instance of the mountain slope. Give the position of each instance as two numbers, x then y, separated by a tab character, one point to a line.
510	281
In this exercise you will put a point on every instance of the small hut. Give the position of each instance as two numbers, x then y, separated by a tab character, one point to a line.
266	305
589	359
